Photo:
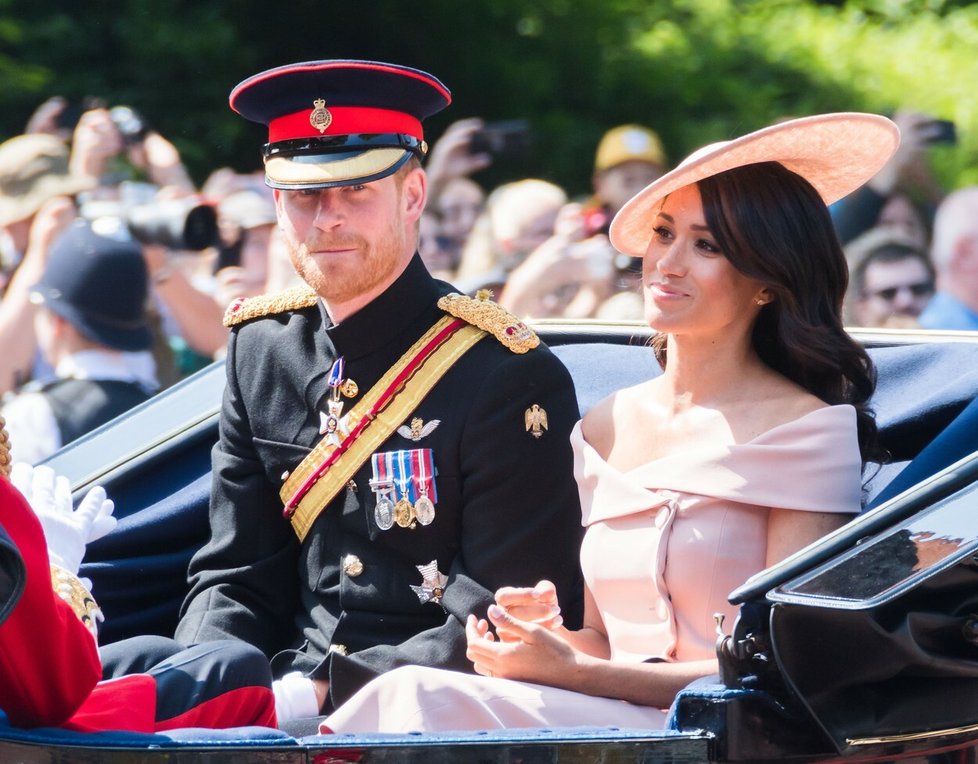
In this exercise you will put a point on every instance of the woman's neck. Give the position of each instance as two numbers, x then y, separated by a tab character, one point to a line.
707	371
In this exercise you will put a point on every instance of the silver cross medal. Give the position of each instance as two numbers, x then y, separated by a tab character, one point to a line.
332	423
433	583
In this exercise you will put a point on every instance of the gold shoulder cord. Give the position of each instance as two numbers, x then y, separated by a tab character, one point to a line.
65	584
4	450
491	317
246	308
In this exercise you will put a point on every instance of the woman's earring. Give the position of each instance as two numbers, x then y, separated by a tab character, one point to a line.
759	301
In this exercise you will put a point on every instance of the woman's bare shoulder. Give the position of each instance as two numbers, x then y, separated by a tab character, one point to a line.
606	418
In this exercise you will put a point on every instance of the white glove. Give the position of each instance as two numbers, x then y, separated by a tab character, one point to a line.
66	530
295	698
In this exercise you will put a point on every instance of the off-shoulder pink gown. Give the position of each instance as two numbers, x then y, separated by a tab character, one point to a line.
665	543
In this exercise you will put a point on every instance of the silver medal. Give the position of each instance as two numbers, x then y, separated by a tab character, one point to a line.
424	510
384	513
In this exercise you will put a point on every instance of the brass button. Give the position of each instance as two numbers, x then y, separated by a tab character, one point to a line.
352	565
341	649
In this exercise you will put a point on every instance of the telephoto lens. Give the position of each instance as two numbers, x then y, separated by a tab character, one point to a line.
174	223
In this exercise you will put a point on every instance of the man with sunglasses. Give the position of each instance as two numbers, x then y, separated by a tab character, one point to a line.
391	452
893	284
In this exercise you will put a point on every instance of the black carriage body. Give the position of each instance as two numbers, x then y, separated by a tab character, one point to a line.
861	647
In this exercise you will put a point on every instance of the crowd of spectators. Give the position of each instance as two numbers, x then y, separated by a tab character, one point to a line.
542	250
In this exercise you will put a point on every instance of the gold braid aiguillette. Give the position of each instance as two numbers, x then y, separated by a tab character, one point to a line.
489	316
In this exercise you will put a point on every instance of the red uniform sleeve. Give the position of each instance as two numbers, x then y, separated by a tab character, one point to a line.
48	660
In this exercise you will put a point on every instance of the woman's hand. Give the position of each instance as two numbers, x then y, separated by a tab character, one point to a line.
536	605
532	653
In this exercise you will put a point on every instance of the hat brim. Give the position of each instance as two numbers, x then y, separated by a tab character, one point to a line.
328	170
22	206
836	153
128	336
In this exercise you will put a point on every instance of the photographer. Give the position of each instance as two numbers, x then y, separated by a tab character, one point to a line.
905	193
103	135
166	216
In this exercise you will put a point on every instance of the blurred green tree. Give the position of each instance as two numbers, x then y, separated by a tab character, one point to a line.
694	70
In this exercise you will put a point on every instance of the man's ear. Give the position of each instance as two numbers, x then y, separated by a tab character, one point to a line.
414	193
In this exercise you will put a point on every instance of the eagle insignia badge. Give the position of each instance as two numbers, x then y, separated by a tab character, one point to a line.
535	419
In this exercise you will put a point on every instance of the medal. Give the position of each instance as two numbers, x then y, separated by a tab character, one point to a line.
383	486
332	423
404	509
384	513
433	583
424	510
404	513
424	507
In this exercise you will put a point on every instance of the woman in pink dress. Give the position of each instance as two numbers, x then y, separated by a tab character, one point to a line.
748	447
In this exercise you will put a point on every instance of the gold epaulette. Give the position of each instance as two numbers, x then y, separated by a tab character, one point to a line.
4	450
246	308
491	317
71	590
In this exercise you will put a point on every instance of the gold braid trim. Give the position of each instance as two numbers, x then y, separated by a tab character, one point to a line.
4	450
71	590
246	308
489	316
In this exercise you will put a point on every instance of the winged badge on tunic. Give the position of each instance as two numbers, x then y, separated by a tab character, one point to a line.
418	428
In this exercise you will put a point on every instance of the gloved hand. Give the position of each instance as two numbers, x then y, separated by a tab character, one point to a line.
295	698
66	530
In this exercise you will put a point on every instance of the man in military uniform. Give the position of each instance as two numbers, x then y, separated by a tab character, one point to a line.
390	452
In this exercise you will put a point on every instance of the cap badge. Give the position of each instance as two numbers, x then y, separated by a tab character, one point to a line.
535	419
320	118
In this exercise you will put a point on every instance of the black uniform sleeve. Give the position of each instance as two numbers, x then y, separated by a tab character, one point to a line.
520	515
243	582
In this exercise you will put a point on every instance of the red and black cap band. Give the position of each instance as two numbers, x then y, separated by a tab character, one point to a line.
339	122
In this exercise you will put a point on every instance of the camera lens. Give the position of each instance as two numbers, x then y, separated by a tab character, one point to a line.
128	122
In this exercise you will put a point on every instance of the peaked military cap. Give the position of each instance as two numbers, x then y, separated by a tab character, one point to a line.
339	122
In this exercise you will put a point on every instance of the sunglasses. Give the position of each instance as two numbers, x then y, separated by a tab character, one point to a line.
919	289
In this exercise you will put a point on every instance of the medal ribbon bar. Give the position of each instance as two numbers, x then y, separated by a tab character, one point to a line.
327	468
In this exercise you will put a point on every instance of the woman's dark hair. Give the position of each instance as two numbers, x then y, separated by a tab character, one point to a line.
773	226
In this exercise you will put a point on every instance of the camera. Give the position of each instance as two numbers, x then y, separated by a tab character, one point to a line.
942	131
509	138
130	124
172	223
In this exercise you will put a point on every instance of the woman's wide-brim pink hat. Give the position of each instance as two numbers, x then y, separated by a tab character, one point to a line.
836	153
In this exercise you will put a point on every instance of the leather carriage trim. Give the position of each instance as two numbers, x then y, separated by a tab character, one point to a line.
328	468
491	317
245	308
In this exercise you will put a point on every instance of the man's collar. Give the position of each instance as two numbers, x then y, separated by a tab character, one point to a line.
369	328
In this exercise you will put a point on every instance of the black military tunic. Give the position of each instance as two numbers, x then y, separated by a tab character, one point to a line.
340	604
